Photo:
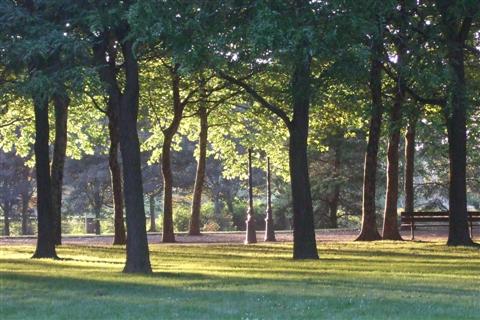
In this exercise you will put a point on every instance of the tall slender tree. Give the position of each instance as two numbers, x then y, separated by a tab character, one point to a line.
369	230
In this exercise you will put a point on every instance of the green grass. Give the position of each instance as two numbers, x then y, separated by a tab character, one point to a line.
380	280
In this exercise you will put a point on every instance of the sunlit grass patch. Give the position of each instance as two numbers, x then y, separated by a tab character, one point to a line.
351	280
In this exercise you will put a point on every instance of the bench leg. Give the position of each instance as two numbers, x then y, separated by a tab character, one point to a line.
471	229
412	228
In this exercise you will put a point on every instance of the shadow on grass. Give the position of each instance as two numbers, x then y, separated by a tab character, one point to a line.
196	295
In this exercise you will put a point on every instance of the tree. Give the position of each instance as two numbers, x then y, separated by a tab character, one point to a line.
369	230
60	102
456	21
138	260
390	225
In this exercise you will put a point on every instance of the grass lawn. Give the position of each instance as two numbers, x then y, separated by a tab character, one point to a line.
379	280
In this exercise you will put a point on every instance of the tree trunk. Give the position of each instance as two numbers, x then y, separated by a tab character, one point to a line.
168	234
6	218
194	227
230	206
97	210
25	218
138	258
153	225
333	207
46	232
390	221
410	165
457	147
456	32
61	103
335	196
115	174
304	242
369	230
390	224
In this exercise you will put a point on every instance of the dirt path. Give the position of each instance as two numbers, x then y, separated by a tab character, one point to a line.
228	237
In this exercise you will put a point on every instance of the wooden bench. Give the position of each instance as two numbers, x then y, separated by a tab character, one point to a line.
434	218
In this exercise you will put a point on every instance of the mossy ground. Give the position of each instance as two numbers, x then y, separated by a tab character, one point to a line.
378	280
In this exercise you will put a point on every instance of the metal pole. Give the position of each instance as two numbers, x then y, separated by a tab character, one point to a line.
269	229
251	236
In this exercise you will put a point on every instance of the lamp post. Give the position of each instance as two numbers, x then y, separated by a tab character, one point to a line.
251	236
269	230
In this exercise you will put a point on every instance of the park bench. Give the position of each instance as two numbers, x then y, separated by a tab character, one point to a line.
434	219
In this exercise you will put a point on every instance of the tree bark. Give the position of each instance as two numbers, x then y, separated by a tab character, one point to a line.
390	224
60	102
25	218
7	208
168	234
153	225
46	232
194	227
137	257
410	165
335	196
98	230
333	207
390	221
369	230
120	237
304	242
456	32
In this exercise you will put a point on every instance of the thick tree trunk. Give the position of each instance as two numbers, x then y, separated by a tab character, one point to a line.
168	234
194	227
138	258
410	165
60	103
457	143
153	224
456	30
7	208
46	232
369	230
120	237
304	242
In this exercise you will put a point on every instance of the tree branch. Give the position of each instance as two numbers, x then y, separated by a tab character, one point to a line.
4	125
264	103
415	95
95	103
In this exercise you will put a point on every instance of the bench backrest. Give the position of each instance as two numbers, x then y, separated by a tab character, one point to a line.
435	216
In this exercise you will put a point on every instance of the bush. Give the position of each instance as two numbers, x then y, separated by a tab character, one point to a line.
211	226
